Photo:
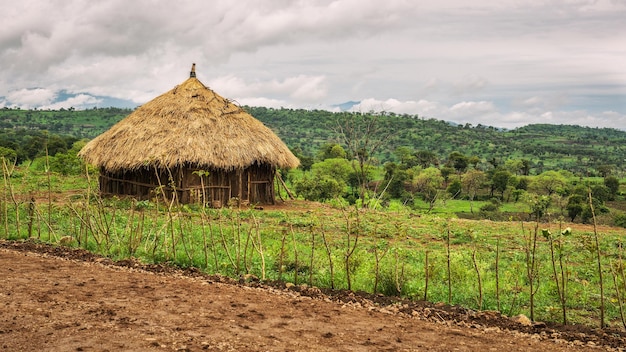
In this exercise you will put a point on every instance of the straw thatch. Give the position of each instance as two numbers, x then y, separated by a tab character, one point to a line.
187	129
190	124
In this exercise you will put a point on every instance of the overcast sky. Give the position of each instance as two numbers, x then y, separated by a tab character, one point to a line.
499	63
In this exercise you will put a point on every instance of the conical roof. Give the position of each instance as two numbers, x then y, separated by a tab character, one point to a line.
189	125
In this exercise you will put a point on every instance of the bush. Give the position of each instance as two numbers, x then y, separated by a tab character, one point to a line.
319	188
454	188
9	154
620	220
493	205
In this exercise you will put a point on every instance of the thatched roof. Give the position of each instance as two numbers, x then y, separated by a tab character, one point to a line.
189	125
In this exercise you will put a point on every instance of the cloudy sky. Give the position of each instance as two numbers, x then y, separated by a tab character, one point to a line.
503	63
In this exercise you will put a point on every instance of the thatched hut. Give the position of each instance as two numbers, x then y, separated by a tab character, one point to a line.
192	145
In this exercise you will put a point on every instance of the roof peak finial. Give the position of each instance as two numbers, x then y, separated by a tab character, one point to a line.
193	71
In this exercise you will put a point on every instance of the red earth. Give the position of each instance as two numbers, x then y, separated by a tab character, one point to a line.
54	298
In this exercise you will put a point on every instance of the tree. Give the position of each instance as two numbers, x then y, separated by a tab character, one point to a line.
514	166
526	164
612	184
549	182
8	154
363	135
601	193
446	172
34	147
395	178
494	162
473	181
68	163
500	181
406	156
473	161
458	161
426	158
605	170
306	161
428	182
575	206
328	179
318	188
336	168
331	151
454	188
539	204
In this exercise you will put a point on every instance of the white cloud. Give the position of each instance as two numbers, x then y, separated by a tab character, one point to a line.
486	113
78	102
501	63
301	88
421	107
473	107
28	98
469	84
265	102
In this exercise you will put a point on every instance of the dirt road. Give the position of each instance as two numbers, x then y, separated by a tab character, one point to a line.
57	299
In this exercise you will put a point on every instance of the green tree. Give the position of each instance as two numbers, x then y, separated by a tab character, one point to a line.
473	161
522	183
458	161
612	184
428	183
318	188
454	188
331	151
473	181
526	164
446	172
549	182
601	193
406	156
396	177
363	135
605	170
8	153
306	161
500	181
538	204
575	205
426	158
336	168
327	179
68	163
34	146
514	166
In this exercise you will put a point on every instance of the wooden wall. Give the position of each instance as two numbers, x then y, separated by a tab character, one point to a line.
217	188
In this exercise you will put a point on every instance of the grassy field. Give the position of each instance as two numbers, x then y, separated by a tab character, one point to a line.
511	266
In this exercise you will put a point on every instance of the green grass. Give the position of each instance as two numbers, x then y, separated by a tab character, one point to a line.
289	245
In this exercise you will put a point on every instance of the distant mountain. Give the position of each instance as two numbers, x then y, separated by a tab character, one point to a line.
78	101
102	101
346	106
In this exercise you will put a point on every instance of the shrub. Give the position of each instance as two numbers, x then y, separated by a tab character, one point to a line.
620	220
454	188
319	188
493	205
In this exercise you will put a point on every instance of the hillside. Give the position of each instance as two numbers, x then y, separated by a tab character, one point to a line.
579	149
547	146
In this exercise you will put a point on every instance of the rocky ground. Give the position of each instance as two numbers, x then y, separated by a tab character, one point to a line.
54	298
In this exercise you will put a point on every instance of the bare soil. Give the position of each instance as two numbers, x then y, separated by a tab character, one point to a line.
54	298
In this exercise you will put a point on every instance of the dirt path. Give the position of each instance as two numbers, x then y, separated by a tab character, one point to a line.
55	299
